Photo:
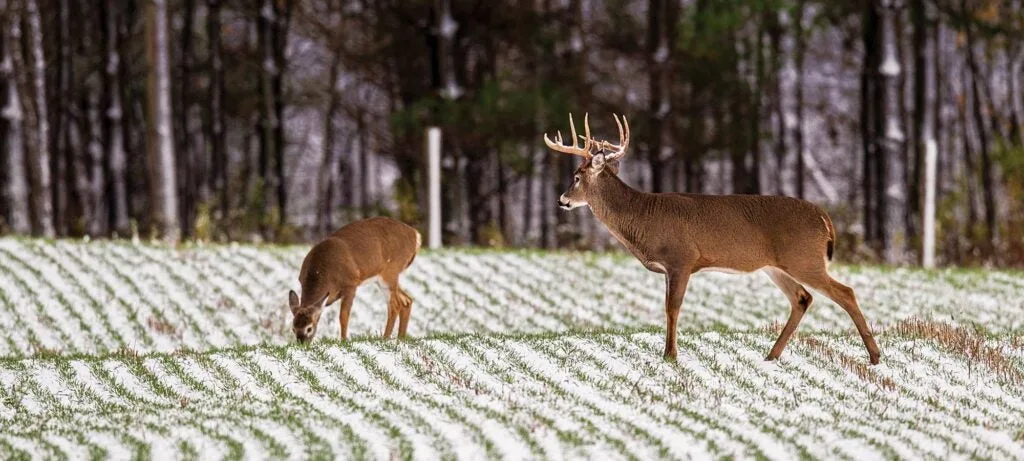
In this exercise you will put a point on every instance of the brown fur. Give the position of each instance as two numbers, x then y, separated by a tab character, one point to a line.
679	234
335	267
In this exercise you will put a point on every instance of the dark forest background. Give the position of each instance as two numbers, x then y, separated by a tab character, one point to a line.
282	120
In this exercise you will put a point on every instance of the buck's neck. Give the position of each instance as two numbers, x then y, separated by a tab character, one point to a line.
622	209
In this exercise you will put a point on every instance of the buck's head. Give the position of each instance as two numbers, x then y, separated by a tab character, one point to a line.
600	159
305	318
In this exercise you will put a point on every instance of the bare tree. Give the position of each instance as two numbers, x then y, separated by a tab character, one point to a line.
330	173
892	187
215	122
662	19
798	134
32	89
987	185
159	138
190	184
270	29
15	190
113	132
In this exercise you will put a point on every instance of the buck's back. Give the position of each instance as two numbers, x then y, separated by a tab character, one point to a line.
745	231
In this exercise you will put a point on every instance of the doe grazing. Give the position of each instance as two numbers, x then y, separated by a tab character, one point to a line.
334	268
677	234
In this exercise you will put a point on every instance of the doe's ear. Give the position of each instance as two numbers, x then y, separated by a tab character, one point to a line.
293	300
597	162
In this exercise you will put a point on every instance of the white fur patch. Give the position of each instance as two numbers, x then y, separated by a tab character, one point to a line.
723	269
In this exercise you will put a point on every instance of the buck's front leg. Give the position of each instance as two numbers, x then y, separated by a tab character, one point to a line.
675	288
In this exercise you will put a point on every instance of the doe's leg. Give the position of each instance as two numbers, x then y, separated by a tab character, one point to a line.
799	298
348	295
405	309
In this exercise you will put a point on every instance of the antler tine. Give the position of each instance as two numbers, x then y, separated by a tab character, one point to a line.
620	149
575	149
572	126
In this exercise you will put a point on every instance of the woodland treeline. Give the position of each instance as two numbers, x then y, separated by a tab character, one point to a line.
281	120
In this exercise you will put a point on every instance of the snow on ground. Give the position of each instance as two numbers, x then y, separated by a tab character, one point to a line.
107	296
521	355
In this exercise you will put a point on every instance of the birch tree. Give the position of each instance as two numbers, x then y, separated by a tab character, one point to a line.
159	139
925	146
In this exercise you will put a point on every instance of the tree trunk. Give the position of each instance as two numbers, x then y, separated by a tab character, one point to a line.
215	123
330	171
777	108
925	146
268	121
364	164
96	182
987	185
188	175
58	104
15	190
282	20
662	16
113	132
754	117
892	186
798	134
32	89
159	136
868	116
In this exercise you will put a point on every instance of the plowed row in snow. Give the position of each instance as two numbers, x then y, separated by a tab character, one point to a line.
108	296
577	395
121	351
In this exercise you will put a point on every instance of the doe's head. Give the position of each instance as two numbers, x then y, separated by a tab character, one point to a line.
305	318
598	157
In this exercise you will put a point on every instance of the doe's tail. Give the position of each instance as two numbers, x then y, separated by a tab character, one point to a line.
830	246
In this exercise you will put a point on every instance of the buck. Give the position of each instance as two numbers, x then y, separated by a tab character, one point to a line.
334	268
677	235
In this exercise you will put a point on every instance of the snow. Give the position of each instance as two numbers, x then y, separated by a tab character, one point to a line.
517	355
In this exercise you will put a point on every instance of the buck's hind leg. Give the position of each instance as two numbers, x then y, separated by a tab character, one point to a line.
799	300
819	279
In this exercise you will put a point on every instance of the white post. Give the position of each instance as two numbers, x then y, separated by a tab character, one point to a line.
930	166
434	185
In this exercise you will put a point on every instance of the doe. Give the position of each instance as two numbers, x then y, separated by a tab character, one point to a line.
334	268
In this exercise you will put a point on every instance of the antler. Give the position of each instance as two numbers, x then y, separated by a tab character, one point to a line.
575	149
619	150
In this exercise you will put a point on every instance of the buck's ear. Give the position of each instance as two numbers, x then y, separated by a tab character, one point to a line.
293	300
597	163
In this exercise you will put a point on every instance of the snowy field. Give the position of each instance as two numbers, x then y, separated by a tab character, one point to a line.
116	350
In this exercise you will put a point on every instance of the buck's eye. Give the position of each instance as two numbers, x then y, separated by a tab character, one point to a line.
576	179
309	330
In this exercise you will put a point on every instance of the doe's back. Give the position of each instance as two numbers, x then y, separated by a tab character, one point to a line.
360	250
